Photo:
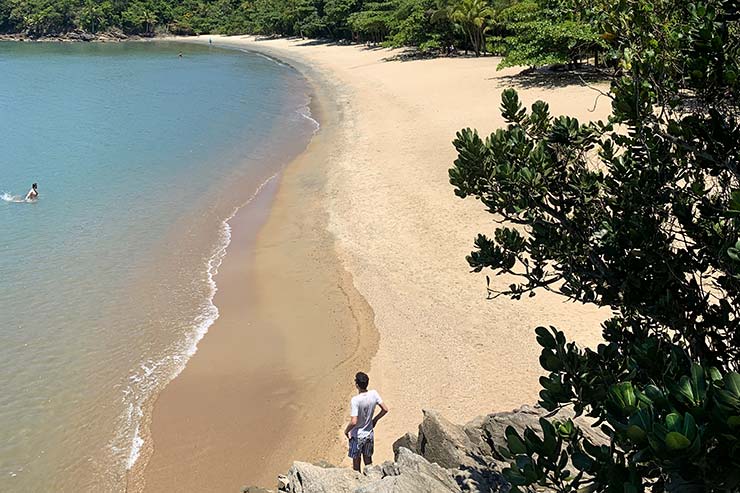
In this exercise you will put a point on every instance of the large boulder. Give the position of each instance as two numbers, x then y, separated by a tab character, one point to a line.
411	473
465	451
308	478
408	441
443	442
492	427
472	452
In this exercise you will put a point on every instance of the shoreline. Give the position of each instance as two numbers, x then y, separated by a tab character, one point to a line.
397	239
166	462
142	444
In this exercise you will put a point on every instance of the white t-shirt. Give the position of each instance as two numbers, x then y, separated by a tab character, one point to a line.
363	406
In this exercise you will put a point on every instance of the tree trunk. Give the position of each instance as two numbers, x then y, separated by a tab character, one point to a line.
473	41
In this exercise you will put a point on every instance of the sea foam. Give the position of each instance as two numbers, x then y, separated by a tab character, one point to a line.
147	379
16	199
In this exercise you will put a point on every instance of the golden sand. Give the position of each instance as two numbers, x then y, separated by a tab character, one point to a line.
364	228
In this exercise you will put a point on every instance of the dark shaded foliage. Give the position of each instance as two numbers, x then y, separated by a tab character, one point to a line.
640	214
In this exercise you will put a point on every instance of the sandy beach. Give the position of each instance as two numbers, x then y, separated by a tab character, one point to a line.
360	265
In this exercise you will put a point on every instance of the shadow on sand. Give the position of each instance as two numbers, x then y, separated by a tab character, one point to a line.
552	77
555	77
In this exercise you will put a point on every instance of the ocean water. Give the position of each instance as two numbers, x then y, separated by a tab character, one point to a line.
141	156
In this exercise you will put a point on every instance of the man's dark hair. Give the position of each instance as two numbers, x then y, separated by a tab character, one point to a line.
361	379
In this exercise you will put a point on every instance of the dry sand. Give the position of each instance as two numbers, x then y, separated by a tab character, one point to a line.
365	228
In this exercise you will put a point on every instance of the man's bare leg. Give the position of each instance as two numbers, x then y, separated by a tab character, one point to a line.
368	460
356	463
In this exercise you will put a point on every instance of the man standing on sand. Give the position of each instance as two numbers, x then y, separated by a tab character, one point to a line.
359	431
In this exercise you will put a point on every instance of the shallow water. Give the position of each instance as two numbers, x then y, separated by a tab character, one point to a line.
105	281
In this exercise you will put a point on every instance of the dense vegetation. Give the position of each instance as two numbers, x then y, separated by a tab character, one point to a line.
533	32
640	214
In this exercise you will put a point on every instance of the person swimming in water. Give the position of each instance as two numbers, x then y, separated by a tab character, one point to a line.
33	194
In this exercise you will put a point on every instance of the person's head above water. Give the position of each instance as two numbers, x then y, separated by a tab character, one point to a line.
361	380
34	186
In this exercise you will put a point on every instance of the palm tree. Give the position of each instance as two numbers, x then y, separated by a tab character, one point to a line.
473	17
93	14
148	19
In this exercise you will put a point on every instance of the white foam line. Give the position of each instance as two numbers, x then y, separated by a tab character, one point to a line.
205	320
307	110
306	113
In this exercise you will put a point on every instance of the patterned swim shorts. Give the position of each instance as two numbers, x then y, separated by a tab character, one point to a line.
364	446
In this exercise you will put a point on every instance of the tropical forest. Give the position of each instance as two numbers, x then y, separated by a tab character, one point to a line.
530	32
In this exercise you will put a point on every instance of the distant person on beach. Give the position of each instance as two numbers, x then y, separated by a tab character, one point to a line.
33	194
359	431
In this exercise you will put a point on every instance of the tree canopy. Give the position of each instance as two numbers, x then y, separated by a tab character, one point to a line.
524	32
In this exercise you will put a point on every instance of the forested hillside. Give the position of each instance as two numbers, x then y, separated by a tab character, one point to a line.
533	32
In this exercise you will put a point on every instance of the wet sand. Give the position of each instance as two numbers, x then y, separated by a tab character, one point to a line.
271	376
365	234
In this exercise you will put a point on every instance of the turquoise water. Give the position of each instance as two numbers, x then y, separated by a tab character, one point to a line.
140	156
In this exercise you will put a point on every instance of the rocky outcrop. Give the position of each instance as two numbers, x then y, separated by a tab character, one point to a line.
409	473
443	442
111	35
443	457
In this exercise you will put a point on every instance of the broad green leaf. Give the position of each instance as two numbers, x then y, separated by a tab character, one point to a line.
732	383
673	422
514	477
676	441
514	441
581	461
545	338
549	438
636	434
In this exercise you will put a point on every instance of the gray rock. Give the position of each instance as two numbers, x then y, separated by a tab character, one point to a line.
116	33
493	426
375	473
410	473
481	480
443	442
308	478
444	458
409	441
432	474
283	482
